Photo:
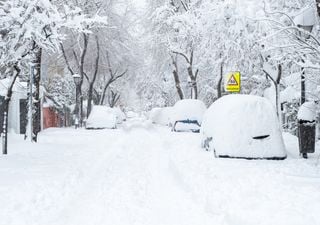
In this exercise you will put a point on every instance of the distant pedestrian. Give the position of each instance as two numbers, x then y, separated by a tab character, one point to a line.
76	122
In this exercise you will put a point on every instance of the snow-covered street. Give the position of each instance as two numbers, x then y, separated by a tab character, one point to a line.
146	174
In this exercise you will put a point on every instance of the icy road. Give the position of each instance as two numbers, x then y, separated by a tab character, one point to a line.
142	174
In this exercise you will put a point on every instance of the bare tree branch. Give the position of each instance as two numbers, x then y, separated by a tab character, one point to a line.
66	59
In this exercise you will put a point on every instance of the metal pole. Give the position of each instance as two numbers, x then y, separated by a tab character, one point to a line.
303	87
77	107
80	105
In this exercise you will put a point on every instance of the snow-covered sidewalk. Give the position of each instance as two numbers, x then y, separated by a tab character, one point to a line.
144	174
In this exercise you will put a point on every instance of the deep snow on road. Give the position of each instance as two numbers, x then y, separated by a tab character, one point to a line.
142	174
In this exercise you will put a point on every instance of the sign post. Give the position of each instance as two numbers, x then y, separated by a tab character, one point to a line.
233	82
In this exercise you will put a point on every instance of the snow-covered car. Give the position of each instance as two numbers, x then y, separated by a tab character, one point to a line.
161	116
101	117
243	126
187	115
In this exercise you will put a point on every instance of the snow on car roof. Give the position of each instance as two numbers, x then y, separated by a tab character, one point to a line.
192	109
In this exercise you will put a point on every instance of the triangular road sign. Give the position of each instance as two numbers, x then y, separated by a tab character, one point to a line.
232	81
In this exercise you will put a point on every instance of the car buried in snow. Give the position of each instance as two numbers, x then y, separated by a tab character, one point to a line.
243	126
187	115
101	117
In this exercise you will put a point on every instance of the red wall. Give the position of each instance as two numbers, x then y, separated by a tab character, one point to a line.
50	118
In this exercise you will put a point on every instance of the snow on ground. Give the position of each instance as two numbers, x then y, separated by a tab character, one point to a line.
146	174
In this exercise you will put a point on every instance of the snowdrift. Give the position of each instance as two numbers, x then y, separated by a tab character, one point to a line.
243	126
102	117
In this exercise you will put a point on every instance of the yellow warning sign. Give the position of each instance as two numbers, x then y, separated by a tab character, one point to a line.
233	82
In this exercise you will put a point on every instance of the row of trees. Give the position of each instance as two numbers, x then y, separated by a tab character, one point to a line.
92	38
194	43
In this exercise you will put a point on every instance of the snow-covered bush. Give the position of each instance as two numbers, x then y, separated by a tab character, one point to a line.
243	126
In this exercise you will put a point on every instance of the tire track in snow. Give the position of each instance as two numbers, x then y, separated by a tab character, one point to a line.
134	184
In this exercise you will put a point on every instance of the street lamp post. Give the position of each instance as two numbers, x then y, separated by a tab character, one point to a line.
307	28
77	80
305	20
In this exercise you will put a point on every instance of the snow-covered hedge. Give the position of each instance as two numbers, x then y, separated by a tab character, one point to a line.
243	126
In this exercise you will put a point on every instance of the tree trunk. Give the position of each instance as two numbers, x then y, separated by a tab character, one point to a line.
219	88
176	78
5	115
113	77
104	92
113	99
5	126
91	84
81	70
193	79
318	7
36	127
90	93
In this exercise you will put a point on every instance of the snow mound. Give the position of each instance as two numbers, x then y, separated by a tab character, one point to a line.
243	126
101	117
307	112
161	115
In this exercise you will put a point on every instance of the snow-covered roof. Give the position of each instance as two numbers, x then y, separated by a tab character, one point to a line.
243	126
307	111
19	87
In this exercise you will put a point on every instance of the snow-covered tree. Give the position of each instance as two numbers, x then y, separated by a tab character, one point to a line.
28	27
60	89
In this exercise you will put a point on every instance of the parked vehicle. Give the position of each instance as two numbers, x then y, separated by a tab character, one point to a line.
187	115
243	126
101	117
